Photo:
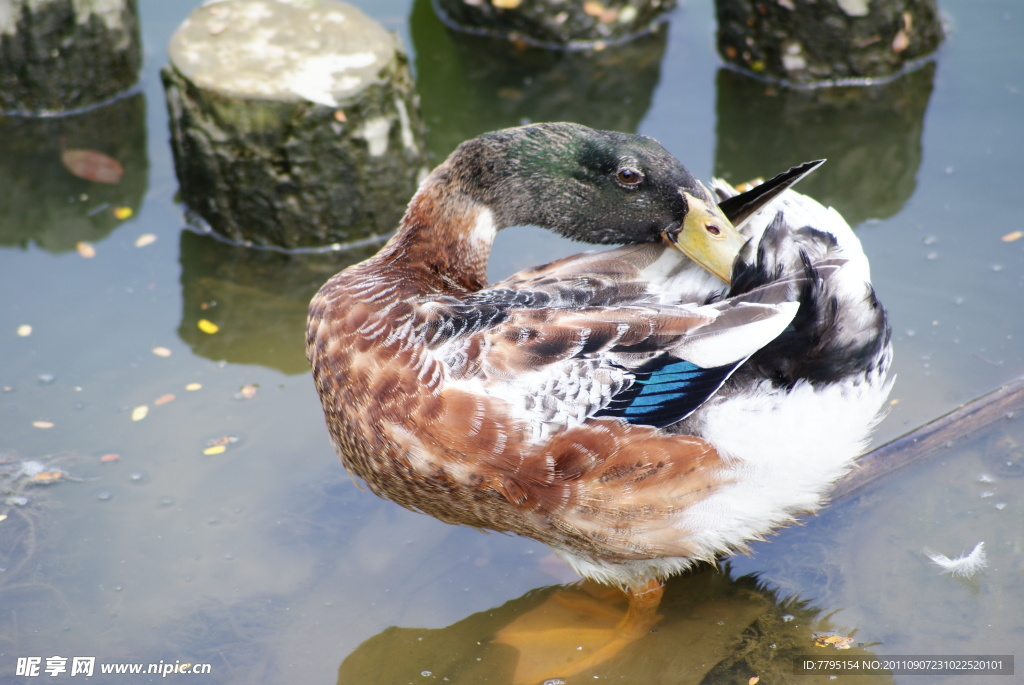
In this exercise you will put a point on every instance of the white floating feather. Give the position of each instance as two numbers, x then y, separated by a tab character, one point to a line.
964	566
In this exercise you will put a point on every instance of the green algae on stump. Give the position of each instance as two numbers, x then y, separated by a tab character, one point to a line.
293	124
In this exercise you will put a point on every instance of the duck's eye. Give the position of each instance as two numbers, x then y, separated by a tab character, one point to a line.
712	229
629	177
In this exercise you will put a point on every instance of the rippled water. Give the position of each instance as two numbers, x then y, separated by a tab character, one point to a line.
266	562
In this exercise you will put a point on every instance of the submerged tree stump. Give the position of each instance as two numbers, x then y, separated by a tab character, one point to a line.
293	124
806	42
60	55
576	23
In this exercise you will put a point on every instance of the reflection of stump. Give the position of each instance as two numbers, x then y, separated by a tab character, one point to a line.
292	124
58	55
499	83
871	136
815	41
54	202
257	299
556	22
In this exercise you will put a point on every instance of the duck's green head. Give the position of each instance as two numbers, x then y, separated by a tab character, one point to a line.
595	187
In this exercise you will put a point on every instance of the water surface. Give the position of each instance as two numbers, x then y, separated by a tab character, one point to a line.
267	562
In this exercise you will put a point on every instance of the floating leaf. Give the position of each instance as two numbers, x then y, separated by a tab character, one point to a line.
3	517
247	392
223	440
161	352
191	387
43	424
47	477
339	116
215	449
506	4
835	641
753	680
24	330
92	166
901	42
122	213
140	412
207	326
164	399
108	458
86	250
1010	237
145	239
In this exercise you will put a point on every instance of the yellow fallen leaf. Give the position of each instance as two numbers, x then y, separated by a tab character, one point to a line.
145	239
593	8
1010	237
191	387
506	4
164	399
43	424
339	116
45	477
835	641
161	352
86	250
122	213
24	330
247	392
3	517
215	449
140	412
107	458
753	680
207	326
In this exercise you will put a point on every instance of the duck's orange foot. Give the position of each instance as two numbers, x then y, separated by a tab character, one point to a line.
578	629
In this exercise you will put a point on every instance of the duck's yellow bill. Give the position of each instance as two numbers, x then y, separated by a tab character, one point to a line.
707	237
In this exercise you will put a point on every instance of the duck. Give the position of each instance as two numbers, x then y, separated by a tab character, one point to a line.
639	408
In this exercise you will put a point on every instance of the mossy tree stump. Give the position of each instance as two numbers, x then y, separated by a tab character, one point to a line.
556	23
809	42
293	124
60	55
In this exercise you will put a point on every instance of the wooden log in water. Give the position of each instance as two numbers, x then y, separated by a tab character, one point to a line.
60	55
556	23
293	124
805	42
940	434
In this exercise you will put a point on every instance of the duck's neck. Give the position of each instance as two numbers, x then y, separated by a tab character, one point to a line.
445	237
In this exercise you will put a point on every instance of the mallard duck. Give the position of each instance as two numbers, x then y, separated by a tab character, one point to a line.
637	409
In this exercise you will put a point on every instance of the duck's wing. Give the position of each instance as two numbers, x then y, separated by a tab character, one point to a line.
630	274
566	361
742	207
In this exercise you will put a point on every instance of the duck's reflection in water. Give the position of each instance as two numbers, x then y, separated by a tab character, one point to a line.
714	629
